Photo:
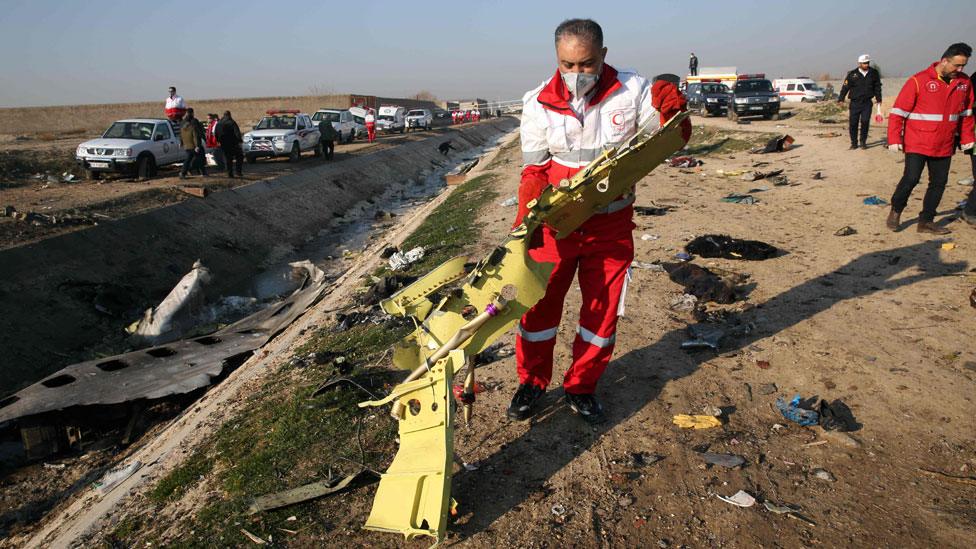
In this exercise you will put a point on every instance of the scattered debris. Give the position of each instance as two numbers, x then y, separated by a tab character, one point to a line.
817	176
723	460
823	474
739	499
646	236
738	198
682	256
625	500
199	192
948	246
640	459
875	201
792	411
713	245
701	283
696	421
767	388
762	364
684	162
828	121
177	313
116	476
253	538
494	353
8	211
459	173
788	510
656	267
683	302
708	335
558	510
836	416
399	260
652	210
828	134
509	202
777	144
304	493
730	173
846	230
757	175
55	466
968	181
940	475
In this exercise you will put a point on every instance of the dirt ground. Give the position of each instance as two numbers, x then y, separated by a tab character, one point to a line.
878	320
26	165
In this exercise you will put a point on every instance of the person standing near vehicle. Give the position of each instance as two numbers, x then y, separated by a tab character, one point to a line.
175	106
229	136
862	83
693	64
370	125
585	107
933	109
328	138
191	136
213	146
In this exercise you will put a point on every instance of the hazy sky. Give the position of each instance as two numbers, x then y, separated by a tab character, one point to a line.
99	51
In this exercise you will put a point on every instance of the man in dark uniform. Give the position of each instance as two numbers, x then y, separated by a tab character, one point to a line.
862	84
693	65
230	139
328	138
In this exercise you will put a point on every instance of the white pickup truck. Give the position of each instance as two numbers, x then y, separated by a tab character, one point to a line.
134	147
282	133
342	121
419	119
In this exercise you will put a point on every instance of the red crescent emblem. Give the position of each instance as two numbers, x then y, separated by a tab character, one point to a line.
617	119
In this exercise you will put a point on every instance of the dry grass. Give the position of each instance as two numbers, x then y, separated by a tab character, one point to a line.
47	123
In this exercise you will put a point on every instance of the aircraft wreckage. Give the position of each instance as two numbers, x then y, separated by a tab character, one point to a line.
414	495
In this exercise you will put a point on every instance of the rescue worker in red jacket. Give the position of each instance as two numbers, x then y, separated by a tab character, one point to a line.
566	122
175	106
932	111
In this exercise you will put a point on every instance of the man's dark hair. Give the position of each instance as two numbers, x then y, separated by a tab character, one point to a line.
584	29
227	114
959	48
172	88
189	112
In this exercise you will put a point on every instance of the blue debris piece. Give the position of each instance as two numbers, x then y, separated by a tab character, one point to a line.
794	413
875	201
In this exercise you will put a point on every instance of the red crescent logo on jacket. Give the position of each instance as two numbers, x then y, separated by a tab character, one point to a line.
932	86
617	119
963	87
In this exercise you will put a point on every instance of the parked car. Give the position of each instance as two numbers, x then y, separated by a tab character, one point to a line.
419	119
341	120
135	147
802	89
753	95
708	97
282	133
390	119
359	118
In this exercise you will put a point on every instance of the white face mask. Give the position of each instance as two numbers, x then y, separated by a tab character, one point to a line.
578	83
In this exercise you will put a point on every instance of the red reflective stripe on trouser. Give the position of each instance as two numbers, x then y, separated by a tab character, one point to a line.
601	261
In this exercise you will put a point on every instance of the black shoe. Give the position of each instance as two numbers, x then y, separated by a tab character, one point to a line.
587	407
853	146
523	401
864	146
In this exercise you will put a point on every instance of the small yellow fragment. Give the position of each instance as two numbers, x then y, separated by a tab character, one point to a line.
948	245
696	422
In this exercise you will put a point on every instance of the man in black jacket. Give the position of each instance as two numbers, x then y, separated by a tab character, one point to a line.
229	136
693	64
862	83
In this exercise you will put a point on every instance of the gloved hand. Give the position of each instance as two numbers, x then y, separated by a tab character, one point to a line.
669	101
898	147
967	146
529	189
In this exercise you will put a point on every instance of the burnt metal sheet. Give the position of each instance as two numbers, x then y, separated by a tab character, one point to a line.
175	368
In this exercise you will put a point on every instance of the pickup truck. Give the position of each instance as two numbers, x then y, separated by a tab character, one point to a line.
136	147
341	120
418	119
282	133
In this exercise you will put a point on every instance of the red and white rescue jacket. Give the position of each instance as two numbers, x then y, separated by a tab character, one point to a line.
928	114
556	144
175	107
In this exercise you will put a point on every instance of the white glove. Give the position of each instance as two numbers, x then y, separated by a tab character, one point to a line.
896	148
967	146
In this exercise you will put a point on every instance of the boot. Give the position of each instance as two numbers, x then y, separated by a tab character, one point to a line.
931	228
894	220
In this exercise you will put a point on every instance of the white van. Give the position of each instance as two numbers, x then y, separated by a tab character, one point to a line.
799	90
390	119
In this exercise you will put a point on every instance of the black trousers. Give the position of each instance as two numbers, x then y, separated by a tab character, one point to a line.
233	155
971	199
938	175
693	71
860	114
328	149
193	160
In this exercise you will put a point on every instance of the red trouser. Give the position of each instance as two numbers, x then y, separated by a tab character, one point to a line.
371	131
602	259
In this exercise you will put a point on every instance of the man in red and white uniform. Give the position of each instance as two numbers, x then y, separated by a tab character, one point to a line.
370	120
175	106
566	123
932	114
